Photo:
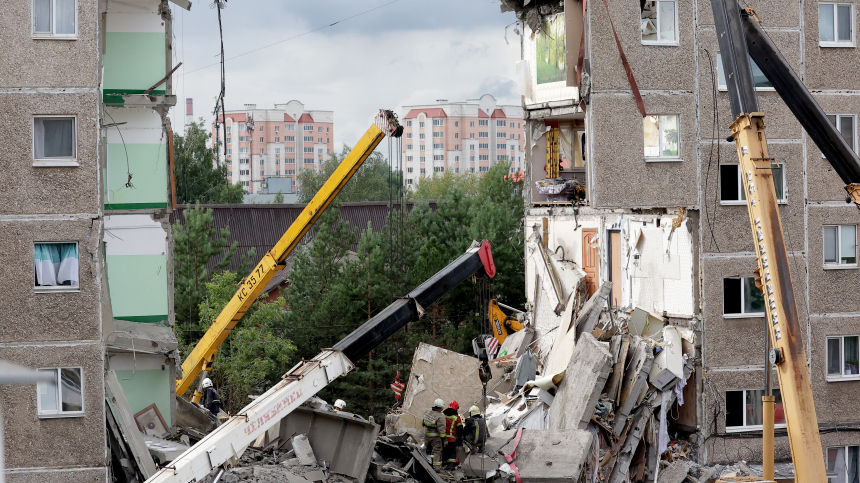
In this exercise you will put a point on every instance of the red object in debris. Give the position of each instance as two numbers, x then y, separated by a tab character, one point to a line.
397	386
492	346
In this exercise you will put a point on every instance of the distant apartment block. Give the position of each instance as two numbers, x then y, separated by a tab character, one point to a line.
463	137
273	143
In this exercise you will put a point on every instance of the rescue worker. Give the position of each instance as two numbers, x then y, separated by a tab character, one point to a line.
339	405
210	397
453	435
475	430
434	432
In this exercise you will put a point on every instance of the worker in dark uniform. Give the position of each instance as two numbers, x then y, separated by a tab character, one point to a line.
210	398
434	432
475	430
453	435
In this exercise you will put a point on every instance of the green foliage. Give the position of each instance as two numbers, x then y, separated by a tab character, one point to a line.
194	244
197	178
438	187
370	183
256	355
279	199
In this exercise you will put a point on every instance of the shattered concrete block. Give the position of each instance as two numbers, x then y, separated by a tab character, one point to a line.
620	473
591	309
303	450
674	473
553	456
583	382
635	380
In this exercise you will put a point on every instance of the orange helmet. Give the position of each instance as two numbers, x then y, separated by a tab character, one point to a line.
454	405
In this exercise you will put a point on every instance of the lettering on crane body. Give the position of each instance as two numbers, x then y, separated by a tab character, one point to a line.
251	282
270	414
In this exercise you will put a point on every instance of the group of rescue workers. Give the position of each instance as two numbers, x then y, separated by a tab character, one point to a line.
445	431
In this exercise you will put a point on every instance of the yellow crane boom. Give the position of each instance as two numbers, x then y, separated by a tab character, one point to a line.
204	352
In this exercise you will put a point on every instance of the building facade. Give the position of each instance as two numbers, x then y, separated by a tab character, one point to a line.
256	144
84	208
664	218
463	137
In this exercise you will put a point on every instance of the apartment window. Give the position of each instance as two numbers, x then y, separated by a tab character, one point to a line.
741	298
277	128
262	151
289	171
243	126
229	151
437	122
483	145
408	180
263	173
308	139
244	172
483	134
421	159
309	160
456	147
409	123
423	171
277	139
732	189
501	123
420	124
409	146
482	169
438	157
64	396
421	148
760	80
659	22
326	140
54	141
471	135
228	131
842	464
319	140
501	146
319	151
55	18
456	158
309	150
840	246
243	160
289	160
289	139
842	357
421	136
456	123
471	170
409	158
501	157
472	159
289	149
277	162
262	128
409	135
484	157
835	25
471	123
438	169
244	150
457	170
501	135
55	267
845	124
319	129
661	137
456	135
744	412
307	127
438	134
409	170
277	151
289	127
245	183
483	122
439	146
262	139
327	130
244	139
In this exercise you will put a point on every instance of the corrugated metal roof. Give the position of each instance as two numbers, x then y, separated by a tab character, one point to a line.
261	226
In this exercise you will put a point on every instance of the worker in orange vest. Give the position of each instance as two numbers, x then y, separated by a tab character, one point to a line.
453	435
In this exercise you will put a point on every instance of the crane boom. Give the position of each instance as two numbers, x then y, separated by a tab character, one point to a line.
226	443
203	354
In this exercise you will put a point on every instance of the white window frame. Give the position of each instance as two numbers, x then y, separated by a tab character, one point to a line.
752	427
483	122
59	413
838	43
742	315
664	159
833	478
677	41
724	88
838	125
501	123
57	288
437	122
838	265
51	35
743	202
57	162
306	128
842	376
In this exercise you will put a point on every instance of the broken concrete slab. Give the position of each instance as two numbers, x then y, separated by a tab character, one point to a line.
133	336
119	407
674	473
553	455
583	382
189	415
591	309
620	473
303	450
635	380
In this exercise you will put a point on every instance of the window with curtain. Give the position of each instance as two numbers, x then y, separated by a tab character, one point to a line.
55	266
65	395
54	138
55	18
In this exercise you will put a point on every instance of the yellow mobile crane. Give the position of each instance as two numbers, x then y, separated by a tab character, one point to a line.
203	355
740	38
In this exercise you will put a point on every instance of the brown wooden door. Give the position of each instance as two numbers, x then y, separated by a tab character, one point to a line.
589	260
615	267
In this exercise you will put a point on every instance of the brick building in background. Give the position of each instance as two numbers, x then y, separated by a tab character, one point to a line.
284	141
663	216
462	137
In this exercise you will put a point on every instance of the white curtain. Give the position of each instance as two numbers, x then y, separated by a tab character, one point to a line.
56	264
54	138
65	13
42	14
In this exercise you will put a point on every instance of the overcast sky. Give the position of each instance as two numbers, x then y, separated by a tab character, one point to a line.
404	52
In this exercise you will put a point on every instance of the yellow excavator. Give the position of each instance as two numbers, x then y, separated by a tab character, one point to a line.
204	352
742	38
502	324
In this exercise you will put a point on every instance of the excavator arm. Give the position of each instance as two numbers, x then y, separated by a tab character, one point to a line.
204	352
741	37
223	446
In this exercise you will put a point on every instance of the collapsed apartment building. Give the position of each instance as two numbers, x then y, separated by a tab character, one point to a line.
86	86
630	180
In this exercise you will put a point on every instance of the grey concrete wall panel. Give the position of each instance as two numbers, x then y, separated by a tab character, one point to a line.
583	382
831	291
25	189
48	316
33	442
833	399
341	440
553	455
61	475
622	177
829	67
29	62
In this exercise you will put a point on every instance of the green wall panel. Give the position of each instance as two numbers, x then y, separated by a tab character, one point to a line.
148	166
138	287
145	387
134	61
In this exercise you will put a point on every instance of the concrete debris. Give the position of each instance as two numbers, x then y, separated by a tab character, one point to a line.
303	450
583	383
552	455
162	450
